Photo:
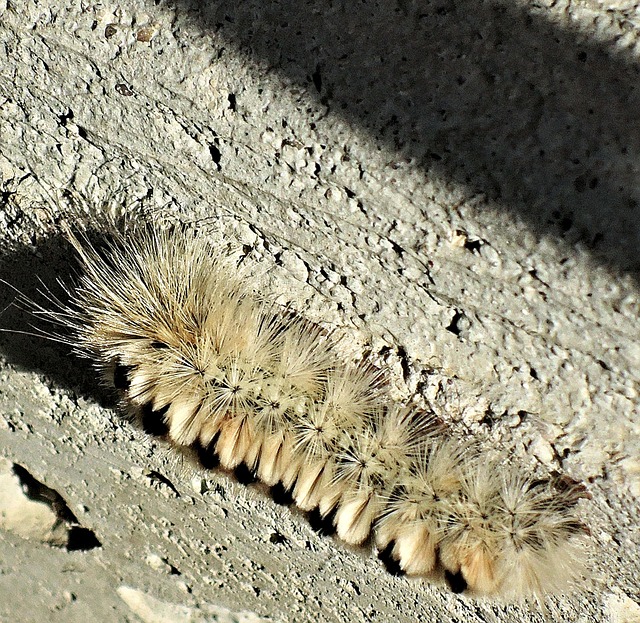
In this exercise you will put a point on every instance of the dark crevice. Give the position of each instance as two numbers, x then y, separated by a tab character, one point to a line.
207	455
79	538
153	422
245	475
453	325
391	564
281	494
323	525
456	582
121	374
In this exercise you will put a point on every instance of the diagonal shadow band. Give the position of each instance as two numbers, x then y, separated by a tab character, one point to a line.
538	116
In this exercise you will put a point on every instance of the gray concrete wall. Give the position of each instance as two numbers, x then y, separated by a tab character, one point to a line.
452	186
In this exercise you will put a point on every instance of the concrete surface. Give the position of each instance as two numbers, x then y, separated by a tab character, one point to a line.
452	185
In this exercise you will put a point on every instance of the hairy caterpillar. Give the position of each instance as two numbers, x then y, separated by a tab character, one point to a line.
201	360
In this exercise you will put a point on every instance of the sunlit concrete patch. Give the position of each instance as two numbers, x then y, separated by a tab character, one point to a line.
622	609
152	610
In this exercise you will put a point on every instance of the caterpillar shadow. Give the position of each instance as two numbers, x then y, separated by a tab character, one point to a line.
33	277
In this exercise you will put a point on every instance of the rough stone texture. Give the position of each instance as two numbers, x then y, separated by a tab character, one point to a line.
454	185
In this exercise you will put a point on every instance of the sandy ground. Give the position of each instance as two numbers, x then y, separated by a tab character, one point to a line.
451	186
